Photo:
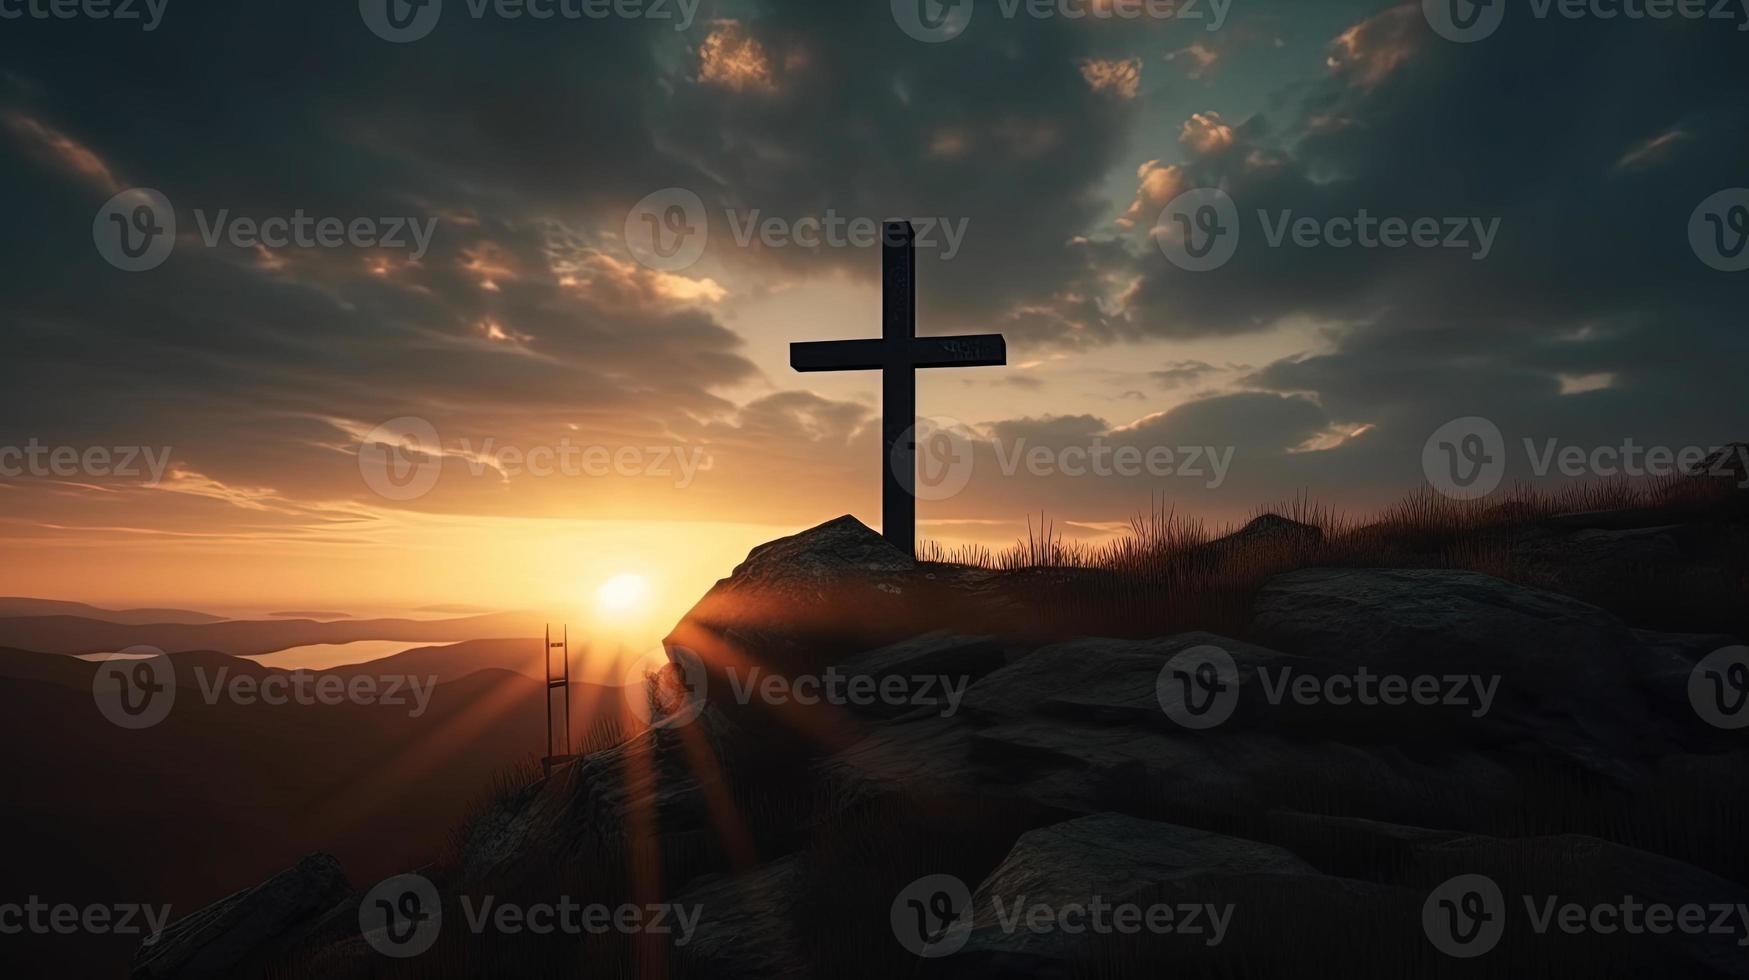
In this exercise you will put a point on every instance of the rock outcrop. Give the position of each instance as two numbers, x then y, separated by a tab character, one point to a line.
241	931
1548	748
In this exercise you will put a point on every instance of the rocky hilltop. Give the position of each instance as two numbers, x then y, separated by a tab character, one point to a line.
864	765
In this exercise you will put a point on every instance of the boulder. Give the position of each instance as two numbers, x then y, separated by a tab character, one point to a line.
246	928
925	671
1530	871
746	925
839	592
1275	528
1103	681
1205	890
655	787
1667	662
1566	669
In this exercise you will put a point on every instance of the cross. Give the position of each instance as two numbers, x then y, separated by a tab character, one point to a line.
897	355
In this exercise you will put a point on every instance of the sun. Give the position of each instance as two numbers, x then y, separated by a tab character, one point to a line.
622	595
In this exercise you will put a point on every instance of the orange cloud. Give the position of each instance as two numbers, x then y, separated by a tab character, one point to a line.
1650	153
1199	59
613	282
1206	133
731	59
62	151
1120	78
1370	51
1159	184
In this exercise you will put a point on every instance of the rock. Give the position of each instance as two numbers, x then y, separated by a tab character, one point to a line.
1570	868
1663	545
1729	465
650	787
915	758
1667	663
1274	527
1566	669
823	598
1078	727
746	926
242	930
925	669
1210	884
1100	680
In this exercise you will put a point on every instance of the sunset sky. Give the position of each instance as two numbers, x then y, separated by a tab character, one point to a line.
257	374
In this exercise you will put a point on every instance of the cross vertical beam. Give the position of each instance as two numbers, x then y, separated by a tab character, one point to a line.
899	386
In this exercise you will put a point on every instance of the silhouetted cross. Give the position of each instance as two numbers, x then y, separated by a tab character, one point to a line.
897	355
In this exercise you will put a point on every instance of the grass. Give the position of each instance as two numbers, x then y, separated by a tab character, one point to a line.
1177	573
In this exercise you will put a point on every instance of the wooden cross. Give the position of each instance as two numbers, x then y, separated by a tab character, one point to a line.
897	355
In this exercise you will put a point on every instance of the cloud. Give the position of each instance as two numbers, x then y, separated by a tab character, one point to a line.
1122	79
61	151
729	58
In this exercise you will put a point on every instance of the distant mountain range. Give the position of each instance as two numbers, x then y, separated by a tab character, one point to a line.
74	628
17	606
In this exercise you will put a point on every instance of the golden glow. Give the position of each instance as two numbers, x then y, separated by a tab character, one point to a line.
624	594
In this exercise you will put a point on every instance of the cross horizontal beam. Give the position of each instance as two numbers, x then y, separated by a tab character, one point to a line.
972	350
